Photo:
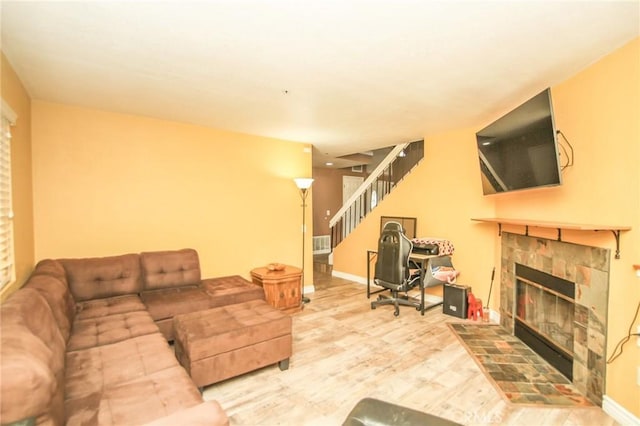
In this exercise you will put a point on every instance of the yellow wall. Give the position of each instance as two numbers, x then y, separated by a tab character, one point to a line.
108	183
14	93
599	112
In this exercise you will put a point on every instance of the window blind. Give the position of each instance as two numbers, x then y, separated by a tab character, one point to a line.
7	269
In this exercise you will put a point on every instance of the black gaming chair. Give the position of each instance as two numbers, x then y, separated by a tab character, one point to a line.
393	270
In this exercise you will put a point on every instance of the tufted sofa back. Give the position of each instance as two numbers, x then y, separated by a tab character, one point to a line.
101	277
176	268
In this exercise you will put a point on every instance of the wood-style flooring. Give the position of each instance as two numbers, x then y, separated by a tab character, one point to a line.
343	351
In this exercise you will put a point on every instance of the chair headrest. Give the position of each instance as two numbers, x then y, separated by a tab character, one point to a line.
392	227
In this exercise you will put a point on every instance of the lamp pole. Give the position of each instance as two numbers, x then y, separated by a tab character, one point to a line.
303	185
304	231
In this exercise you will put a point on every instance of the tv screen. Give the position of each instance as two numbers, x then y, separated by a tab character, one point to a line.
519	150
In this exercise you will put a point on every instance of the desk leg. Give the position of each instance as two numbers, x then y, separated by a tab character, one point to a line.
368	272
422	277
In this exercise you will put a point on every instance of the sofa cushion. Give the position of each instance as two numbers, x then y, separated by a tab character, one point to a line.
100	277
32	354
230	290
109	306
136	401
163	305
167	303
166	328
91	370
58	297
162	269
27	384
29	308
92	332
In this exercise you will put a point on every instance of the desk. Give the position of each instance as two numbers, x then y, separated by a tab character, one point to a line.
423	260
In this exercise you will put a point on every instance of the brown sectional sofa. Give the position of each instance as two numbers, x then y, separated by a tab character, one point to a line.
85	341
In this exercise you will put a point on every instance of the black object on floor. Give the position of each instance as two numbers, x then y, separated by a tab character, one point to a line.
455	300
370	411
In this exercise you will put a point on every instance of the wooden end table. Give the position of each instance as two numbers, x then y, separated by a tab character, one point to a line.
281	288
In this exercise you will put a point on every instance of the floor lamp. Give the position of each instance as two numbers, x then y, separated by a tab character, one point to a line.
303	185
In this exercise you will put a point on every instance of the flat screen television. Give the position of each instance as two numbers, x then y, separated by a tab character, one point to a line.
519	150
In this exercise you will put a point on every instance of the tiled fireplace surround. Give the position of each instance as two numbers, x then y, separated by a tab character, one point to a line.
588	268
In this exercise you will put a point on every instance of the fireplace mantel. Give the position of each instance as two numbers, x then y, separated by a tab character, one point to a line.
559	226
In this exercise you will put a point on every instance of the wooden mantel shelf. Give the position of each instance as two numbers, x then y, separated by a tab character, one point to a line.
559	226
554	225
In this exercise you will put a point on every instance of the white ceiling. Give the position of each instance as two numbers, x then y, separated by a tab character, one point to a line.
346	76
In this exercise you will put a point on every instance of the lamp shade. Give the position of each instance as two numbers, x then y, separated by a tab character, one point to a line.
303	183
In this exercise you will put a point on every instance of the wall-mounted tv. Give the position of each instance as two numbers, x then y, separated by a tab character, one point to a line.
520	150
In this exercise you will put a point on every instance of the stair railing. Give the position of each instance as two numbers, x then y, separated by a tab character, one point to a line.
391	170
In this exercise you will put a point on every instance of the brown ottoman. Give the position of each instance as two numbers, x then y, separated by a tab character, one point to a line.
220	343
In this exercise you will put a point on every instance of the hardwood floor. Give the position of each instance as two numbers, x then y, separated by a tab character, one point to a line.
343	351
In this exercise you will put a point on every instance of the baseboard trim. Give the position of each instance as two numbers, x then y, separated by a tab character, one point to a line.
494	316
350	277
309	289
618	412
430	298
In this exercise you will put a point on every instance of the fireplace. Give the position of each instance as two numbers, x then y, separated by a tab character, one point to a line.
571	328
544	316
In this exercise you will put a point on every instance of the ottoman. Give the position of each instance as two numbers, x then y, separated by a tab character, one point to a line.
219	343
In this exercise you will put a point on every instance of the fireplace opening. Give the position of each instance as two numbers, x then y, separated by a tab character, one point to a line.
544	319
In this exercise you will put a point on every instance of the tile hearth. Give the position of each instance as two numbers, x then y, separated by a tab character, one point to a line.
521	375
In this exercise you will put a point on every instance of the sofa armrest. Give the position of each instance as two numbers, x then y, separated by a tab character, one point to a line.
209	413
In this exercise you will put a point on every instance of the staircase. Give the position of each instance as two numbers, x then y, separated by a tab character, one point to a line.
384	178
